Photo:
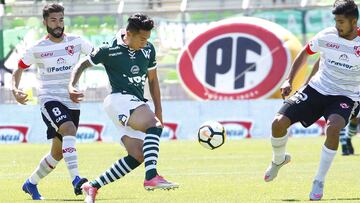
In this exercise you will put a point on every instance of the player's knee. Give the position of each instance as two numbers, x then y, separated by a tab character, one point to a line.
280	124
67	128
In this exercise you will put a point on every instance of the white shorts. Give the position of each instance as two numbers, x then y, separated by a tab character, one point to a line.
118	107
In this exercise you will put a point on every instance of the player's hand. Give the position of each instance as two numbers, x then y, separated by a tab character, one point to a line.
285	89
20	96
75	95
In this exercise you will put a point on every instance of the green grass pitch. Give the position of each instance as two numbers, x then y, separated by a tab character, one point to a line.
232	173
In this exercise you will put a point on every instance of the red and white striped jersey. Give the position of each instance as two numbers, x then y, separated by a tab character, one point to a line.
54	63
339	69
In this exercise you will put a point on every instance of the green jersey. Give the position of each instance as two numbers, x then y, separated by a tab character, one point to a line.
126	68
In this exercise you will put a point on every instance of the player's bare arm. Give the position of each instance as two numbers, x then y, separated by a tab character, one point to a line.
19	95
155	93
75	95
298	63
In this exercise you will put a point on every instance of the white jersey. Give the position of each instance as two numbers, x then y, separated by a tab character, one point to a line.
54	62
339	69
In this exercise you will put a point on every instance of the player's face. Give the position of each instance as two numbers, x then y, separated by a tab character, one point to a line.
345	26
138	40
55	24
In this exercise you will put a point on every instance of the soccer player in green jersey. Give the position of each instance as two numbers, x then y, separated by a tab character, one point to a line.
129	60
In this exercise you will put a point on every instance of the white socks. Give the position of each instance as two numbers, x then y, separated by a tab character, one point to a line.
70	155
327	157
278	147
46	165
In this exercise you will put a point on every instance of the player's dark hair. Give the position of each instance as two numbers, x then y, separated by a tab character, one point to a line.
52	8
138	22
348	8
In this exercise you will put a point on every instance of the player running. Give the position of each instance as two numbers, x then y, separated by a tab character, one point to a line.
54	56
129	61
333	92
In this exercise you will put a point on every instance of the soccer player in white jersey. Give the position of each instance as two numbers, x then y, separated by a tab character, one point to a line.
54	56
129	61
348	132
333	92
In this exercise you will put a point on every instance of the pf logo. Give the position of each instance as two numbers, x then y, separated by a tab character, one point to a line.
235	59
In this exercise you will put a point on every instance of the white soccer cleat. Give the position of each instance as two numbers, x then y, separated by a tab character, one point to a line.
272	171
316	191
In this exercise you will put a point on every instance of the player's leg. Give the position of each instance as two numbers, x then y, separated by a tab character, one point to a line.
65	122
47	163
143	119
337	113
119	169
298	107
343	142
352	131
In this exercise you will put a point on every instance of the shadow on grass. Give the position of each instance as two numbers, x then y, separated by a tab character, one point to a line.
334	199
81	200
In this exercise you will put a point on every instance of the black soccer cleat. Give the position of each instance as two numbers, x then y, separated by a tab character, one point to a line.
77	187
350	146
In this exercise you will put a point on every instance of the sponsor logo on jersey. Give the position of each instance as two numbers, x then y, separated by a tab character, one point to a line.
237	59
60	61
339	64
146	53
70	50
58	69
169	131
357	50
237	129
89	133
115	54
13	134
46	54
332	45
344	57
316	129
135	69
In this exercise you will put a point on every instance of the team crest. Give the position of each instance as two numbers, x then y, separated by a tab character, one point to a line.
344	105
70	50
357	50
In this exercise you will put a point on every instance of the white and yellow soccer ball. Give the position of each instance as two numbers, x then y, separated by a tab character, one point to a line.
211	135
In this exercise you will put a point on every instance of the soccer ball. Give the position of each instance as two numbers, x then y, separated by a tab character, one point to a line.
211	134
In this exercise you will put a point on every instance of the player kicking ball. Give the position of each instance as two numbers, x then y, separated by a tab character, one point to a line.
54	56
129	60
333	92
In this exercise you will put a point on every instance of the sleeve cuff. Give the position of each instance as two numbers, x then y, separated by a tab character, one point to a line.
308	50
22	65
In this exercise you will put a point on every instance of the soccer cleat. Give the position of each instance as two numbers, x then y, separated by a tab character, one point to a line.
90	192
272	171
345	150
32	190
316	191
350	146
77	183
158	182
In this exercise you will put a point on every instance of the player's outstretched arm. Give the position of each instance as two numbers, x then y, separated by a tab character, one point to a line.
154	88
19	95
75	95
298	63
